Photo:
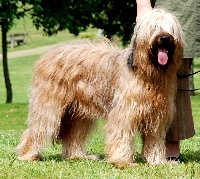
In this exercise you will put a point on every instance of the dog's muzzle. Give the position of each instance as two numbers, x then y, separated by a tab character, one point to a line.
162	49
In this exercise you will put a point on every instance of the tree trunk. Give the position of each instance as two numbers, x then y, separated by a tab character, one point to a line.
5	65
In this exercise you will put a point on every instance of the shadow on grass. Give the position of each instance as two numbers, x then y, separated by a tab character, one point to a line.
102	157
59	158
188	157
55	157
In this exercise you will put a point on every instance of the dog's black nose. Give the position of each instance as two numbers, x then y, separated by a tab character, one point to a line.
165	38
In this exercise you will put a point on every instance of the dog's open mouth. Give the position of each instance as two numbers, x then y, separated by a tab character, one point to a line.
162	56
162	49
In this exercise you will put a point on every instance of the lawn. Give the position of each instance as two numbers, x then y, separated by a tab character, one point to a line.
36	38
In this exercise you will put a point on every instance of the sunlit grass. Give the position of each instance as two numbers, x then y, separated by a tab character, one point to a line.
54	166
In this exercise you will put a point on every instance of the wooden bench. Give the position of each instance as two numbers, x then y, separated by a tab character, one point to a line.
18	38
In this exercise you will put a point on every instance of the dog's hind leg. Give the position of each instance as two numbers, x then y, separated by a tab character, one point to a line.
74	135
26	150
43	127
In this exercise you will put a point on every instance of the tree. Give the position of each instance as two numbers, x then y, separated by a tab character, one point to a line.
114	17
9	10
58	15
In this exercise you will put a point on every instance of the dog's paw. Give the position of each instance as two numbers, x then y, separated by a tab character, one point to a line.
30	157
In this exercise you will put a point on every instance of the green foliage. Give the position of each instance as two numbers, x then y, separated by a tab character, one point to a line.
10	10
58	15
113	17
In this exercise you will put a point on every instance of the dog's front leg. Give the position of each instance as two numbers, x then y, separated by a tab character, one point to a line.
154	150
119	140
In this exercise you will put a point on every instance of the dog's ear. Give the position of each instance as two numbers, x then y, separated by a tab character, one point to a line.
130	61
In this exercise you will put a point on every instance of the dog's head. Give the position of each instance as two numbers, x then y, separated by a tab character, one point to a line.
159	35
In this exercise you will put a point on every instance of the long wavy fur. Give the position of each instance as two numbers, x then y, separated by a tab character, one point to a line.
75	84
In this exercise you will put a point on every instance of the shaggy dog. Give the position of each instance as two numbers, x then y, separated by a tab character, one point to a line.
132	88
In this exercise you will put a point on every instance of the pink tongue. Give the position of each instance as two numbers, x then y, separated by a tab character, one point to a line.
162	56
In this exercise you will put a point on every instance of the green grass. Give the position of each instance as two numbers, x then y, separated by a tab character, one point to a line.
36	38
53	166
197	76
195	100
20	73
13	116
